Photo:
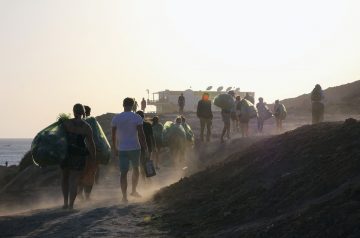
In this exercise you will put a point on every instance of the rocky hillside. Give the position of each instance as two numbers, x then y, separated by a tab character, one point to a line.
343	99
303	183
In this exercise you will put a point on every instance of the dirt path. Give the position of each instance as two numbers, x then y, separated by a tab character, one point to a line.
105	219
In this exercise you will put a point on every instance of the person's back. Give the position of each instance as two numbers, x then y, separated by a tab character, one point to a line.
317	94
127	135
148	135
77	131
204	109
317	104
126	124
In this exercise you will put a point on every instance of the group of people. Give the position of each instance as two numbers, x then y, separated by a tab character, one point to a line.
134	139
237	115
143	105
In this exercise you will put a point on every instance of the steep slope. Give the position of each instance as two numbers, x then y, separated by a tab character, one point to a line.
304	183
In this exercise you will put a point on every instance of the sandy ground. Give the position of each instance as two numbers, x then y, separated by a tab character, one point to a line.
39	213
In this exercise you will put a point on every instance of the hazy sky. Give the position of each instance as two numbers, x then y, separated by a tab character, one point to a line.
56	53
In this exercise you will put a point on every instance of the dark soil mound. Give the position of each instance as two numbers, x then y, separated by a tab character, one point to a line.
304	183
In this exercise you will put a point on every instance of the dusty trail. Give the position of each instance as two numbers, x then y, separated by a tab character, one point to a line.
104	216
98	220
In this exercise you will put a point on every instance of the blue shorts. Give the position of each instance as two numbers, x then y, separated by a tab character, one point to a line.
125	157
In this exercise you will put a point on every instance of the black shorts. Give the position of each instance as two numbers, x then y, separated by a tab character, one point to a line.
74	162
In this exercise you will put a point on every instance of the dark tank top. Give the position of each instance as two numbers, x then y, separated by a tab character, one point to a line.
76	144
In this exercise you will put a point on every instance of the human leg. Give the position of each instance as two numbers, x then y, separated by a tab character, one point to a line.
124	168
65	187
74	176
208	129
134	158
202	128
223	133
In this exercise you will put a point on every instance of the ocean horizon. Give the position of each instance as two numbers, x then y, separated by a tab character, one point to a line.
13	150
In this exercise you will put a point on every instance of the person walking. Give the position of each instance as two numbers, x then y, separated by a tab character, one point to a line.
280	115
204	113
157	131
244	117
263	114
234	114
91	171
128	139
150	142
135	106
77	132
143	105
181	103
317	97
226	117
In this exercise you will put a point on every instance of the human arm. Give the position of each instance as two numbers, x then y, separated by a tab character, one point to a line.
113	140
90	143
198	109
142	138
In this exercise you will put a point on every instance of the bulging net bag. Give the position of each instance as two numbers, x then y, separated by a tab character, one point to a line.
173	132
224	101
103	149
49	146
248	109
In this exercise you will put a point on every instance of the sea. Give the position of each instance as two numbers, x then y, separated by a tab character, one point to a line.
13	150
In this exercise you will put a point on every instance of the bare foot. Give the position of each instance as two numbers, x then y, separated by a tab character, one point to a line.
135	194
124	200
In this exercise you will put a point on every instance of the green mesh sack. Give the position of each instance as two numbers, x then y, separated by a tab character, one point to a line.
49	146
157	131
173	132
103	149
189	133
248	109
224	101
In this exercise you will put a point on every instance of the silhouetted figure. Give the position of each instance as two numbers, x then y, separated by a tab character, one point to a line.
157	131
87	111
204	113
127	140
6	164
237	107
135	106
77	132
263	114
243	117
234	116
91	171
150	141
143	105
280	115
226	117
181	103
317	96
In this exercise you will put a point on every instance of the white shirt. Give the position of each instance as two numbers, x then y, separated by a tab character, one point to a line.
126	130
